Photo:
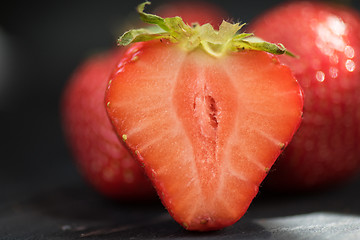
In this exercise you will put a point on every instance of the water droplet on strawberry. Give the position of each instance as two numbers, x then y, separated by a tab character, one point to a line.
350	65
320	76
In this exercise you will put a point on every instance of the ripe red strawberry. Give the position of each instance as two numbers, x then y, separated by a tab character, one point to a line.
326	149
206	116
104	162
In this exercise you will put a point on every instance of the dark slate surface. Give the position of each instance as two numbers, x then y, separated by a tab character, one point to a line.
57	207
41	194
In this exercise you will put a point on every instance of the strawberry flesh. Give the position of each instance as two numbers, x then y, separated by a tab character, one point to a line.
205	129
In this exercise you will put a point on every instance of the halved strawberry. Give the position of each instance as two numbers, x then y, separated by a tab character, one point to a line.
205	118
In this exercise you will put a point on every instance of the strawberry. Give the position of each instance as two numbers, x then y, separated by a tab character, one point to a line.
326	150
205	112
104	162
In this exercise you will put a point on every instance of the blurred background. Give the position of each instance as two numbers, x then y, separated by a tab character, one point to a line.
41	44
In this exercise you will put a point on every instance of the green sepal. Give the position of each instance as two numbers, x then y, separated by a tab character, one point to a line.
151	18
215	42
141	35
167	28
255	43
225	33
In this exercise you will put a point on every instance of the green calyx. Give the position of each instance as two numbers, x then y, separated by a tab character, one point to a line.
215	42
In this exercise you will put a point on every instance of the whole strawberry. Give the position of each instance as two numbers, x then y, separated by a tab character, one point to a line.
326	149
206	113
102	159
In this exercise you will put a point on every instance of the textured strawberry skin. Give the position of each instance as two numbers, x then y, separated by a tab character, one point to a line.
101	158
326	149
205	146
